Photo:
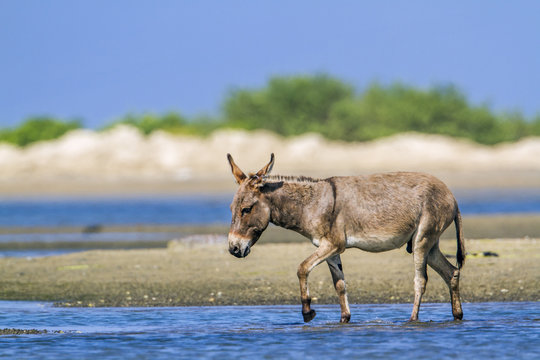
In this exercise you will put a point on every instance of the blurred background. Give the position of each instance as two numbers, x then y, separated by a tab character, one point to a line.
115	117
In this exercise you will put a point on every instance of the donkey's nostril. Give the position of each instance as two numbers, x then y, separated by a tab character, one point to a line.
234	250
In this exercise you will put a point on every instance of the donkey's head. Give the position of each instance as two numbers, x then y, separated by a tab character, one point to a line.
250	210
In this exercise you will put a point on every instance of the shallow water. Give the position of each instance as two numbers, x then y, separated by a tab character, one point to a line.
62	243
490	330
92	214
182	210
158	210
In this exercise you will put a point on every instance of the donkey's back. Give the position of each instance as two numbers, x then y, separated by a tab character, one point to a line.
381	212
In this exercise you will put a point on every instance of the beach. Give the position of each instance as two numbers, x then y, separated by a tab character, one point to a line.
123	162
206	274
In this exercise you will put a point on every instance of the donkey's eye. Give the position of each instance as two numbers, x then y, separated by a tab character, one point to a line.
246	210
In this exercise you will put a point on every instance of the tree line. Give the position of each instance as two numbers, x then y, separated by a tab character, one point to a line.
320	103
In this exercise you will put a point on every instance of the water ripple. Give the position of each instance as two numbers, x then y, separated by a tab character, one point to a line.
495	330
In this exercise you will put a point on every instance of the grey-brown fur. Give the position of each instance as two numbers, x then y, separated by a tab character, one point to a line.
375	213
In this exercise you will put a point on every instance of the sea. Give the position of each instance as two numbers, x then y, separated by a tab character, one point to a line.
488	331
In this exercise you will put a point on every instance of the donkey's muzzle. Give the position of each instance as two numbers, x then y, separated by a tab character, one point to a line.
238	252
235	250
239	246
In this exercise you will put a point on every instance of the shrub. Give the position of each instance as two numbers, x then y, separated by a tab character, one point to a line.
37	129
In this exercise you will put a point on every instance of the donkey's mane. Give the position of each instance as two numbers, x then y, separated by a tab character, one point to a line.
290	179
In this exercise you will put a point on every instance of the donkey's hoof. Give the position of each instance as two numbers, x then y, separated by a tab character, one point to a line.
345	318
309	316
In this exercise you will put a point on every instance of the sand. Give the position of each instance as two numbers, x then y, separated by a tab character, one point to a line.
206	274
122	160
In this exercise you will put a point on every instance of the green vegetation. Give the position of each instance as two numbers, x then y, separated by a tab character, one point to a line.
291	106
149	122
329	106
36	129
288	106
171	122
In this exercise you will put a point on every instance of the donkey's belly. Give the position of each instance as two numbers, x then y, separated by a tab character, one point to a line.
377	243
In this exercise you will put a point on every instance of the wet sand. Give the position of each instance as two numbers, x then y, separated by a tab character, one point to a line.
12	331
206	274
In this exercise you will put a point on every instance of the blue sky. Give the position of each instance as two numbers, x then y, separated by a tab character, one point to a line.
99	60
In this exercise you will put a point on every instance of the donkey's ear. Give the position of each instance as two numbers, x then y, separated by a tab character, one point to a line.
238	174
266	170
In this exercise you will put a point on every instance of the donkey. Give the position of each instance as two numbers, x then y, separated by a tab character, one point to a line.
375	213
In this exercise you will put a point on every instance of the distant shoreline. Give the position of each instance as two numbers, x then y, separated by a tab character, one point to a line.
123	161
25	187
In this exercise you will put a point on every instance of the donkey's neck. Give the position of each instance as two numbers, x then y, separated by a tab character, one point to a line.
296	205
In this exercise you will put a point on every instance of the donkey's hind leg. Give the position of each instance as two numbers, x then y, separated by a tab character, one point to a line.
336	269
450	275
422	245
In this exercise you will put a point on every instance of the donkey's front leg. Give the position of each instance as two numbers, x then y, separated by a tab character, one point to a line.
336	269
323	252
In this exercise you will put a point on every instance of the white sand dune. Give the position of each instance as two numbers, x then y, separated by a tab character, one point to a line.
124	153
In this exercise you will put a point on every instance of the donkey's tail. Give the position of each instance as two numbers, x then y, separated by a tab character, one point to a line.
460	254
